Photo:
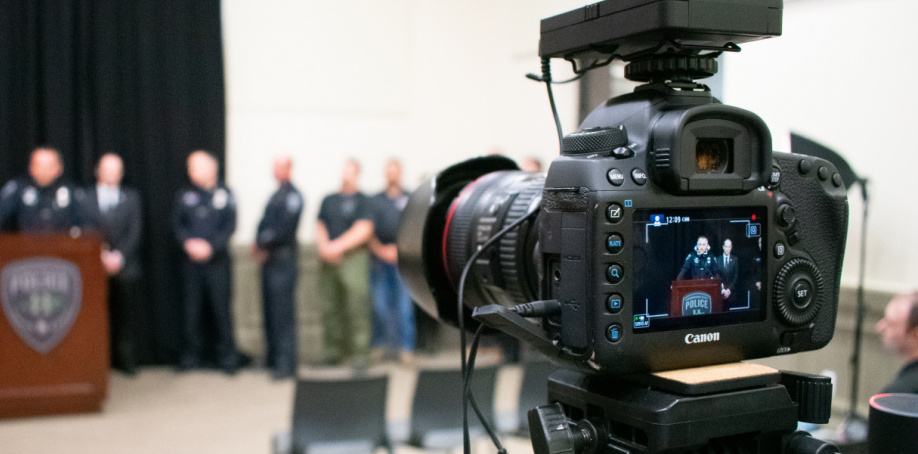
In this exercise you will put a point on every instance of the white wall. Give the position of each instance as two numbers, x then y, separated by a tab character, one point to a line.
842	74
434	82
429	82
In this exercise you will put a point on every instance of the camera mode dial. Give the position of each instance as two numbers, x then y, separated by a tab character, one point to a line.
798	288
605	141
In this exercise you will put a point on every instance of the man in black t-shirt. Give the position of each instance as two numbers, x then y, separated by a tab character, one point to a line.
393	313
898	330
343	229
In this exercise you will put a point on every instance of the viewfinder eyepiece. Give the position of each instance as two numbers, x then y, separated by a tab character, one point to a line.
714	155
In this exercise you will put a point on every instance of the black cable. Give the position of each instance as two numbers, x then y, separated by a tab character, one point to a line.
466	443
467	385
546	77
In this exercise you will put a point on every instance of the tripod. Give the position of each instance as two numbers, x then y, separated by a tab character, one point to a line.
693	411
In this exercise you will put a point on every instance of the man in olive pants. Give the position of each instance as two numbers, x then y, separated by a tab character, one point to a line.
342	232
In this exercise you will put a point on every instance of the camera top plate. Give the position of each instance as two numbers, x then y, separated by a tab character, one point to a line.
630	29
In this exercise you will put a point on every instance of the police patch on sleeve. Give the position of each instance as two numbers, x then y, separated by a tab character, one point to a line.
221	199
294	202
8	189
190	198
30	196
62	197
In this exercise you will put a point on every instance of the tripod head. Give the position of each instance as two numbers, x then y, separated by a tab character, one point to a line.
746	409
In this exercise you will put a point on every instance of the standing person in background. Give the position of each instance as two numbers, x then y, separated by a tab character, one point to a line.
898	330
531	164
41	202
729	266
203	220
276	249
342	231
393	312
115	212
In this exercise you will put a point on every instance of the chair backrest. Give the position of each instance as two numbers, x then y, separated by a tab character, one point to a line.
344	412
533	389
437	406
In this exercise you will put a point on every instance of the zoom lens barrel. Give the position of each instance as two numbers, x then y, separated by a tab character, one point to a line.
506	273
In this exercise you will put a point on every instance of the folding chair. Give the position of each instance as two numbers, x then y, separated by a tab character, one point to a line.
533	390
339	415
436	412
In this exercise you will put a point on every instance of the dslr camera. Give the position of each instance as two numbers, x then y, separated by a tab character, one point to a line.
668	234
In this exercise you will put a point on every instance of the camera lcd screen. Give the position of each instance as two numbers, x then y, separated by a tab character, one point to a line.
698	267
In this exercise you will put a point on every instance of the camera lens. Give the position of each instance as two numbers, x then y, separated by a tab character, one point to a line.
505	274
712	155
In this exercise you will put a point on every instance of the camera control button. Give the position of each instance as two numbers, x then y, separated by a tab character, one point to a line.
789	338
780	250
614	333
615	213
805	166
614	273
837	180
786	215
799	289
614	303
622	152
774	178
615	243
823	173
803	293
615	176
639	176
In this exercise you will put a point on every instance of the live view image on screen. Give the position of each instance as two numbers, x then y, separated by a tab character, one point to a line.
698	267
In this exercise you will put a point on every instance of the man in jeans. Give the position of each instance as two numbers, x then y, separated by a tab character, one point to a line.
393	321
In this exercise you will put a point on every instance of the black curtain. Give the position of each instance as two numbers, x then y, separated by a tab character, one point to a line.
140	78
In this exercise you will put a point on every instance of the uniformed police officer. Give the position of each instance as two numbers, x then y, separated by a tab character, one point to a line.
40	202
699	264
204	218
276	249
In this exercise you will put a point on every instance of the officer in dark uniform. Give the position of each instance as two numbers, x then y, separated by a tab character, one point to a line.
699	264
276	250
40	202
204	218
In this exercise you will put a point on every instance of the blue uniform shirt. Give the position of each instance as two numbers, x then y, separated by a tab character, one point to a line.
206	214
27	207
279	223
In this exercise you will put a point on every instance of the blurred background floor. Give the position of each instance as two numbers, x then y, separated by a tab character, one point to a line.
201	412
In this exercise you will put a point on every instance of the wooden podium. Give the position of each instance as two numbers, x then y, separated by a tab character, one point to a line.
688	297
54	346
